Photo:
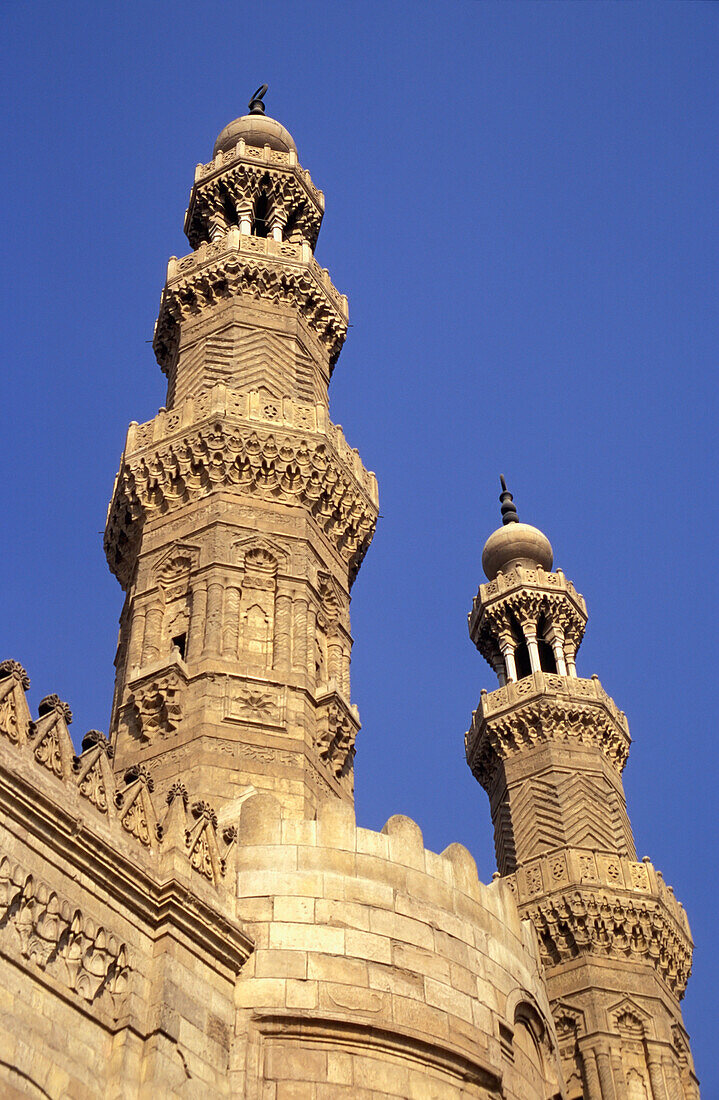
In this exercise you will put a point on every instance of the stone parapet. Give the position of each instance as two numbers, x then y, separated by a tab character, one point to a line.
253	154
542	708
381	968
608	917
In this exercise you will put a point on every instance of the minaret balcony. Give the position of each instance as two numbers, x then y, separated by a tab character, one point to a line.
238	263
585	903
539	709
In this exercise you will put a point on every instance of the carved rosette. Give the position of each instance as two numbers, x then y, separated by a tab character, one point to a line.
539	709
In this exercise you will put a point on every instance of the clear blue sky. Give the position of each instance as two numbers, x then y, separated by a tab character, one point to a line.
522	208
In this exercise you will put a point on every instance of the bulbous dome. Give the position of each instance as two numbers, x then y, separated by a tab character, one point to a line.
258	130
516	544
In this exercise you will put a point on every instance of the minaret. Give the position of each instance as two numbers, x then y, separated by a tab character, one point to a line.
549	748
240	515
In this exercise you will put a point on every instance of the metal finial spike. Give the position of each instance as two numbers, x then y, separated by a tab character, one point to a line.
256	104
509	510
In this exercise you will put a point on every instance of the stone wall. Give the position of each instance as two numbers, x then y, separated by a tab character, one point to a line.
380	968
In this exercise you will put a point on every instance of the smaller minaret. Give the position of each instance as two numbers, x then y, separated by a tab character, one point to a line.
549	748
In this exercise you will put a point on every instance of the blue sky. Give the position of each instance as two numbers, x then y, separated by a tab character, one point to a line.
521	206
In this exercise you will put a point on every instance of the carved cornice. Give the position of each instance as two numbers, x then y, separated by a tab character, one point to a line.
241	177
524	593
290	468
274	271
251	154
582	903
540	709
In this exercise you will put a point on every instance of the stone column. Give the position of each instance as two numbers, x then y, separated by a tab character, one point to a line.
498	666
570	653
591	1076
244	212
213	619
283	626
299	647
506	645
152	634
555	637
311	634
278	221
673	1079
345	671
656	1075
198	612
137	630
606	1078
529	629
231	623
334	657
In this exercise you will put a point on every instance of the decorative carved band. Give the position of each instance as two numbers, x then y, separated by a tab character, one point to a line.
295	470
239	185
59	939
591	920
541	708
262	268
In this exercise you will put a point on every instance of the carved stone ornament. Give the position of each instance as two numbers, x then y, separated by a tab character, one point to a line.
57	938
287	468
157	705
263	273
337	729
53	703
14	669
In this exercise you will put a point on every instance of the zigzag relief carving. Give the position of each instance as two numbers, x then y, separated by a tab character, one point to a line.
536	818
218	455
265	278
585	811
57	938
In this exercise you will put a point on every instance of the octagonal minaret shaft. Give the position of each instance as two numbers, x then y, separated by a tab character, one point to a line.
549	748
240	515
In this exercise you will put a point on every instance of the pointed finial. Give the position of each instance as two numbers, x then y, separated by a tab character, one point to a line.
509	511
256	105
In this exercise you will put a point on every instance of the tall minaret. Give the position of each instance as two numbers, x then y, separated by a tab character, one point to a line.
240	515
549	748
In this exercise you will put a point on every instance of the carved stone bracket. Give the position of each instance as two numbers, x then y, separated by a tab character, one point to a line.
156	704
337	728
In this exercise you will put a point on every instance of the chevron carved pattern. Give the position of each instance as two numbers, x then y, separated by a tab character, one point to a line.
504	839
587	816
537	822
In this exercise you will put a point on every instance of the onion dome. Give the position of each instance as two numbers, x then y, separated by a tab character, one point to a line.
515	543
257	128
